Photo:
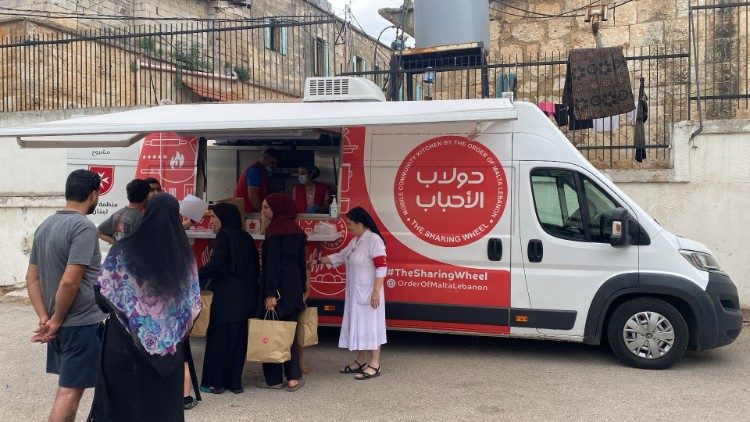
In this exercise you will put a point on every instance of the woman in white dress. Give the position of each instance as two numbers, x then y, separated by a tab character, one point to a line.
363	326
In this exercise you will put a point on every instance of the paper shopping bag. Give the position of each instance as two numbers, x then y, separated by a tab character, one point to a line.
307	327
269	341
200	325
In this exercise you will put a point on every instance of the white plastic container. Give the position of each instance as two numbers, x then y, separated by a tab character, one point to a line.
334	208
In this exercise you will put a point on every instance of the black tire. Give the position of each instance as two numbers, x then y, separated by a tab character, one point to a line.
634	308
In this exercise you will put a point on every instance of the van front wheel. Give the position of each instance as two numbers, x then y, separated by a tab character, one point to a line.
647	333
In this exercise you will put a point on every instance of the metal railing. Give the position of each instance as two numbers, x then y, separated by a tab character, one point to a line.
541	80
721	50
251	59
267	59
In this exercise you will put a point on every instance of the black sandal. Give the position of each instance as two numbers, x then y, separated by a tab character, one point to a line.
366	376
349	370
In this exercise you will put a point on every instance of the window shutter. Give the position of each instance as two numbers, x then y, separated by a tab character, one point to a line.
282	43
313	66
267	30
326	68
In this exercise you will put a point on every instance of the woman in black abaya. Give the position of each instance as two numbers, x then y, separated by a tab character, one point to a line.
232	275
149	286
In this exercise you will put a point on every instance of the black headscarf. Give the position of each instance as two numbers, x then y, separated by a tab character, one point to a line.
158	251
359	215
239	240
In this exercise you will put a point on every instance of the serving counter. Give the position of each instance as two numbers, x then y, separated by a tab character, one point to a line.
311	237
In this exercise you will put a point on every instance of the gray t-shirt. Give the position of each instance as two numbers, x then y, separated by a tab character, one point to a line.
65	238
121	223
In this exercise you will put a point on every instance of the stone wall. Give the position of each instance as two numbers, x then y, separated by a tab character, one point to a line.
635	24
231	64
643	28
706	197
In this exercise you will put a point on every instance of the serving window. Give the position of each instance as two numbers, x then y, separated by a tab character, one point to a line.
309	156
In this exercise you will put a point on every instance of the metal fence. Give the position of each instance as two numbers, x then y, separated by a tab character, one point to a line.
255	59
541	80
721	53
269	58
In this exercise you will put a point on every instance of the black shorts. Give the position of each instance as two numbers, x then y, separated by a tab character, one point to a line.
74	355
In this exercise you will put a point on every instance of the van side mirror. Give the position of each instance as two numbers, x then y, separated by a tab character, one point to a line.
620	228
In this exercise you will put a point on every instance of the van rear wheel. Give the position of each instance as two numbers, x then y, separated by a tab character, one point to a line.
647	333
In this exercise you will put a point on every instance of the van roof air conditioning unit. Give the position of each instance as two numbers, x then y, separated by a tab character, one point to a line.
341	88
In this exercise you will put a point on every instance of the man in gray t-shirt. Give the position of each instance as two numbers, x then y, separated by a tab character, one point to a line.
68	238
63	267
123	221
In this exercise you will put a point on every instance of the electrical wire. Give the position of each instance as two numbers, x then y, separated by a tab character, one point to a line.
9	11
111	36
539	15
44	15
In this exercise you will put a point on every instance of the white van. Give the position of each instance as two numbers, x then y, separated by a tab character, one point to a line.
494	223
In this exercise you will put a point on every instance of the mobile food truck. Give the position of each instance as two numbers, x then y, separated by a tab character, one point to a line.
494	223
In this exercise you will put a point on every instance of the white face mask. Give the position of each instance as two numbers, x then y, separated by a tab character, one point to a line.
302	179
269	169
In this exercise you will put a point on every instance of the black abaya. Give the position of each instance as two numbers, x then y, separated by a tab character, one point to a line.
226	347
232	275
128	388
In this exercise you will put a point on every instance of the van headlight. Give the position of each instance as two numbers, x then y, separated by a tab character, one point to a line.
701	260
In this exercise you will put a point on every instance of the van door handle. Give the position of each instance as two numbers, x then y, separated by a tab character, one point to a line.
495	249
535	250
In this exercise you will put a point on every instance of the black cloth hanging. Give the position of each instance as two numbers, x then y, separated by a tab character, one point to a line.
640	118
578	124
561	114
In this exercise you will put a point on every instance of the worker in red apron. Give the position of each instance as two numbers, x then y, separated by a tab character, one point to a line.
253	182
310	196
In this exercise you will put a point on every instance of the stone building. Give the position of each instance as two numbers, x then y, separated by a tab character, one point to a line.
136	53
55	66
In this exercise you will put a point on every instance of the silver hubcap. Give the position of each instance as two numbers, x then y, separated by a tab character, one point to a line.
648	335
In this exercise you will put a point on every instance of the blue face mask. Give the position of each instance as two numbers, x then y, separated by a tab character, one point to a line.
269	169
302	179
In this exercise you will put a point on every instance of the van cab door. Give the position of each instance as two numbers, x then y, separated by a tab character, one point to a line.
565	226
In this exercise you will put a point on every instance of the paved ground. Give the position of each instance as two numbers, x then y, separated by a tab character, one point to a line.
436	377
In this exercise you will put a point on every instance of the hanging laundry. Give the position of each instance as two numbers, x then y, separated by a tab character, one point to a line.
607	124
631	115
640	130
548	107
561	114
578	124
597	83
506	82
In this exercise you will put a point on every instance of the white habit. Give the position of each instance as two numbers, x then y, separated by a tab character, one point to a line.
363	328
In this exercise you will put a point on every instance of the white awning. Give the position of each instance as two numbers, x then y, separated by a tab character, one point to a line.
217	119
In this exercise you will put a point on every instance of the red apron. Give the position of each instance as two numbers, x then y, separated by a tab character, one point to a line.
300	196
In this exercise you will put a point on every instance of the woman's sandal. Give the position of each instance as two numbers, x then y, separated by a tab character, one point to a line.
365	376
300	384
349	370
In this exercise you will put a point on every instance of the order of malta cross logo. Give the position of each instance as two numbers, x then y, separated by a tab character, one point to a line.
107	174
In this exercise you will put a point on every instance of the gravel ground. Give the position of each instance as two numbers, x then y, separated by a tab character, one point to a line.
434	377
